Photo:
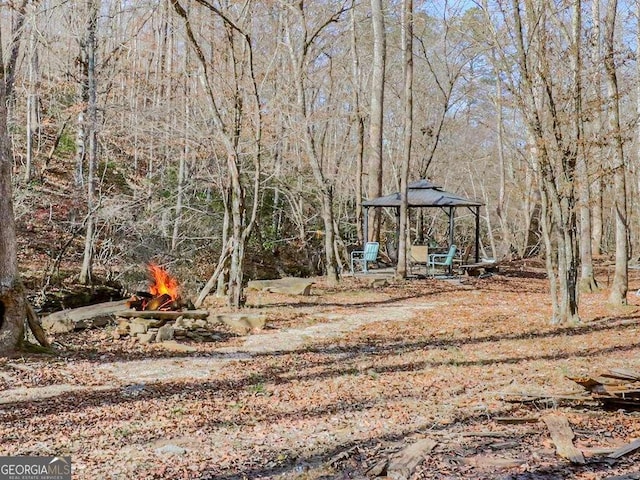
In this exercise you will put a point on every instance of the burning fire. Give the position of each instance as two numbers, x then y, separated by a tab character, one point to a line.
163	283
163	292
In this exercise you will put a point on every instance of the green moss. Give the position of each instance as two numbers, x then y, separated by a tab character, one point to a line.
29	347
67	145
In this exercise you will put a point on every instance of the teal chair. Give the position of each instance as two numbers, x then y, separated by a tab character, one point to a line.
441	260
364	257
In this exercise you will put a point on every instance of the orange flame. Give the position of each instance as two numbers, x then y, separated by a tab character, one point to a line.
163	283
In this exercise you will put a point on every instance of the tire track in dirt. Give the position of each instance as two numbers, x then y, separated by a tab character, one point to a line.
338	325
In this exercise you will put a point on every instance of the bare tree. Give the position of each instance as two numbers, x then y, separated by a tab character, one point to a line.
587	278
299	53
90	134
376	120
553	143
33	123
620	286
360	121
407	53
228	133
599	122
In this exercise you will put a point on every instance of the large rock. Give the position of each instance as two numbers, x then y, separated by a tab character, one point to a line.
287	285
239	323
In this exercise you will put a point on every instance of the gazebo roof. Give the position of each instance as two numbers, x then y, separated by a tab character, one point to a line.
423	193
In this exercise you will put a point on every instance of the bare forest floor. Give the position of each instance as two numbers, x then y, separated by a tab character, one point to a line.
337	383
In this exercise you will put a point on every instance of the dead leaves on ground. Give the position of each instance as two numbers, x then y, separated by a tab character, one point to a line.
420	394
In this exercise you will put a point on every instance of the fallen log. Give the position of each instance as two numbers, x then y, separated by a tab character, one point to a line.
82	317
287	285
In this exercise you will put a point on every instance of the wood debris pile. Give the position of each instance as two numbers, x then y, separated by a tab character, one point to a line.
617	388
488	450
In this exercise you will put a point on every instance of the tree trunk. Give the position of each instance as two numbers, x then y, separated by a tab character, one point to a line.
554	156
32	100
587	279
359	119
223	276
92	127
182	167
507	243
12	303
618	295
407	53
374	189
596	185
236	273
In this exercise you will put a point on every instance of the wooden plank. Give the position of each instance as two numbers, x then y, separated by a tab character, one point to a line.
622	374
597	451
403	464
626	449
623	391
562	437
618	402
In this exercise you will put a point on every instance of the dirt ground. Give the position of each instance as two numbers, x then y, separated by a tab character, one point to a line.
337	384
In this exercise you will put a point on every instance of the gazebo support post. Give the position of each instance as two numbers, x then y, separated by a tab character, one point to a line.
365	227
452	221
477	212
452	225
397	231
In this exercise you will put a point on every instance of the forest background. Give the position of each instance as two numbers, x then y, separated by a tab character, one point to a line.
244	135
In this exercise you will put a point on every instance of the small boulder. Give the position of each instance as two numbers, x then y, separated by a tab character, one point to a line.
241	324
137	328
145	338
165	333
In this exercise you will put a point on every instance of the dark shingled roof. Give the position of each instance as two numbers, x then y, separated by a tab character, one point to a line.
423	193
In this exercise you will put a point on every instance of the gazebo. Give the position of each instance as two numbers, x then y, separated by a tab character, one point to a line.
424	194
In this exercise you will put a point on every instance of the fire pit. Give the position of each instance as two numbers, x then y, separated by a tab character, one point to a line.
161	313
163	295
